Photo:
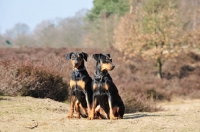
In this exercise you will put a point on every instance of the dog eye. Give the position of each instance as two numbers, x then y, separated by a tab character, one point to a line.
107	61
104	61
79	59
73	58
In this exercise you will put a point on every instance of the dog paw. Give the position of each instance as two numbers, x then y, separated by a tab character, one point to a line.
119	117
90	117
113	118
78	116
70	116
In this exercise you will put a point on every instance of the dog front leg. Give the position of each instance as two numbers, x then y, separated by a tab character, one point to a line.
100	113
77	108
112	117
88	104
91	114
71	110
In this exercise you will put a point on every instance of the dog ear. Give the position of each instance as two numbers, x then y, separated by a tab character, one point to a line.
96	56
85	55
108	55
68	56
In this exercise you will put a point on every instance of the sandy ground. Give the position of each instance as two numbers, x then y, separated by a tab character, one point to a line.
24	114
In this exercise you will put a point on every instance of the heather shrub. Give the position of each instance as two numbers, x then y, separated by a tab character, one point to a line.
35	82
43	78
135	105
44	73
39	83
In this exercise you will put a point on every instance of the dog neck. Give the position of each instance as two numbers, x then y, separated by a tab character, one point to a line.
100	76
79	69
77	72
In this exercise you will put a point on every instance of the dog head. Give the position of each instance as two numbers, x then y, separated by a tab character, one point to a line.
104	62
77	58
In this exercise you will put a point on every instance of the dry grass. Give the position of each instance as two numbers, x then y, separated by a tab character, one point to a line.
178	104
20	114
23	114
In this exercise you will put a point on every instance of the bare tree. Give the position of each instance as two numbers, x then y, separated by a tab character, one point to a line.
190	12
2	41
61	32
45	34
19	35
72	29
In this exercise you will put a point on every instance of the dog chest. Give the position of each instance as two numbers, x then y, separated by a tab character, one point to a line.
101	93
79	83
100	87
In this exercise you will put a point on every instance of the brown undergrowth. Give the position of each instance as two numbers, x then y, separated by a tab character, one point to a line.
44	73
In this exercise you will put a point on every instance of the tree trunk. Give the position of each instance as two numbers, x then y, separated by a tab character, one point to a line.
131	6
194	24
159	63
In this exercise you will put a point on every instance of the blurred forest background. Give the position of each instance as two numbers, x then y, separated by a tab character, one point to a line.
154	45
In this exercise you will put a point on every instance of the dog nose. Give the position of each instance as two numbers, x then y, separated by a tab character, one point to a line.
75	62
113	67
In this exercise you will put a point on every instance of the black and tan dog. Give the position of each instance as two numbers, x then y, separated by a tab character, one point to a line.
80	85
105	92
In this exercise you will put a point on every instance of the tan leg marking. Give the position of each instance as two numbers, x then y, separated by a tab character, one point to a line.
71	110
77	108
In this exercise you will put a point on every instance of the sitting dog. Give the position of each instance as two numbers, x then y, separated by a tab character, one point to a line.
105	92
80	85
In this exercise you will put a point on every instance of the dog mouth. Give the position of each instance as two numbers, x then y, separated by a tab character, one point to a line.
104	70
76	65
110	68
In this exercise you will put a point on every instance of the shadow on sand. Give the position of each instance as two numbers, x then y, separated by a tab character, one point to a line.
136	115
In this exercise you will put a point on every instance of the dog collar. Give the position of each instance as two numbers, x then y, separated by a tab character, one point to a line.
76	71
99	76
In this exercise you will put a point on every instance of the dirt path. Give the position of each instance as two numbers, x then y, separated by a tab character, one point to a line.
23	114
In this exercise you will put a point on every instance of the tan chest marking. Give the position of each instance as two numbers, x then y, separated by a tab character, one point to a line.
104	86
95	86
72	83
81	84
78	83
